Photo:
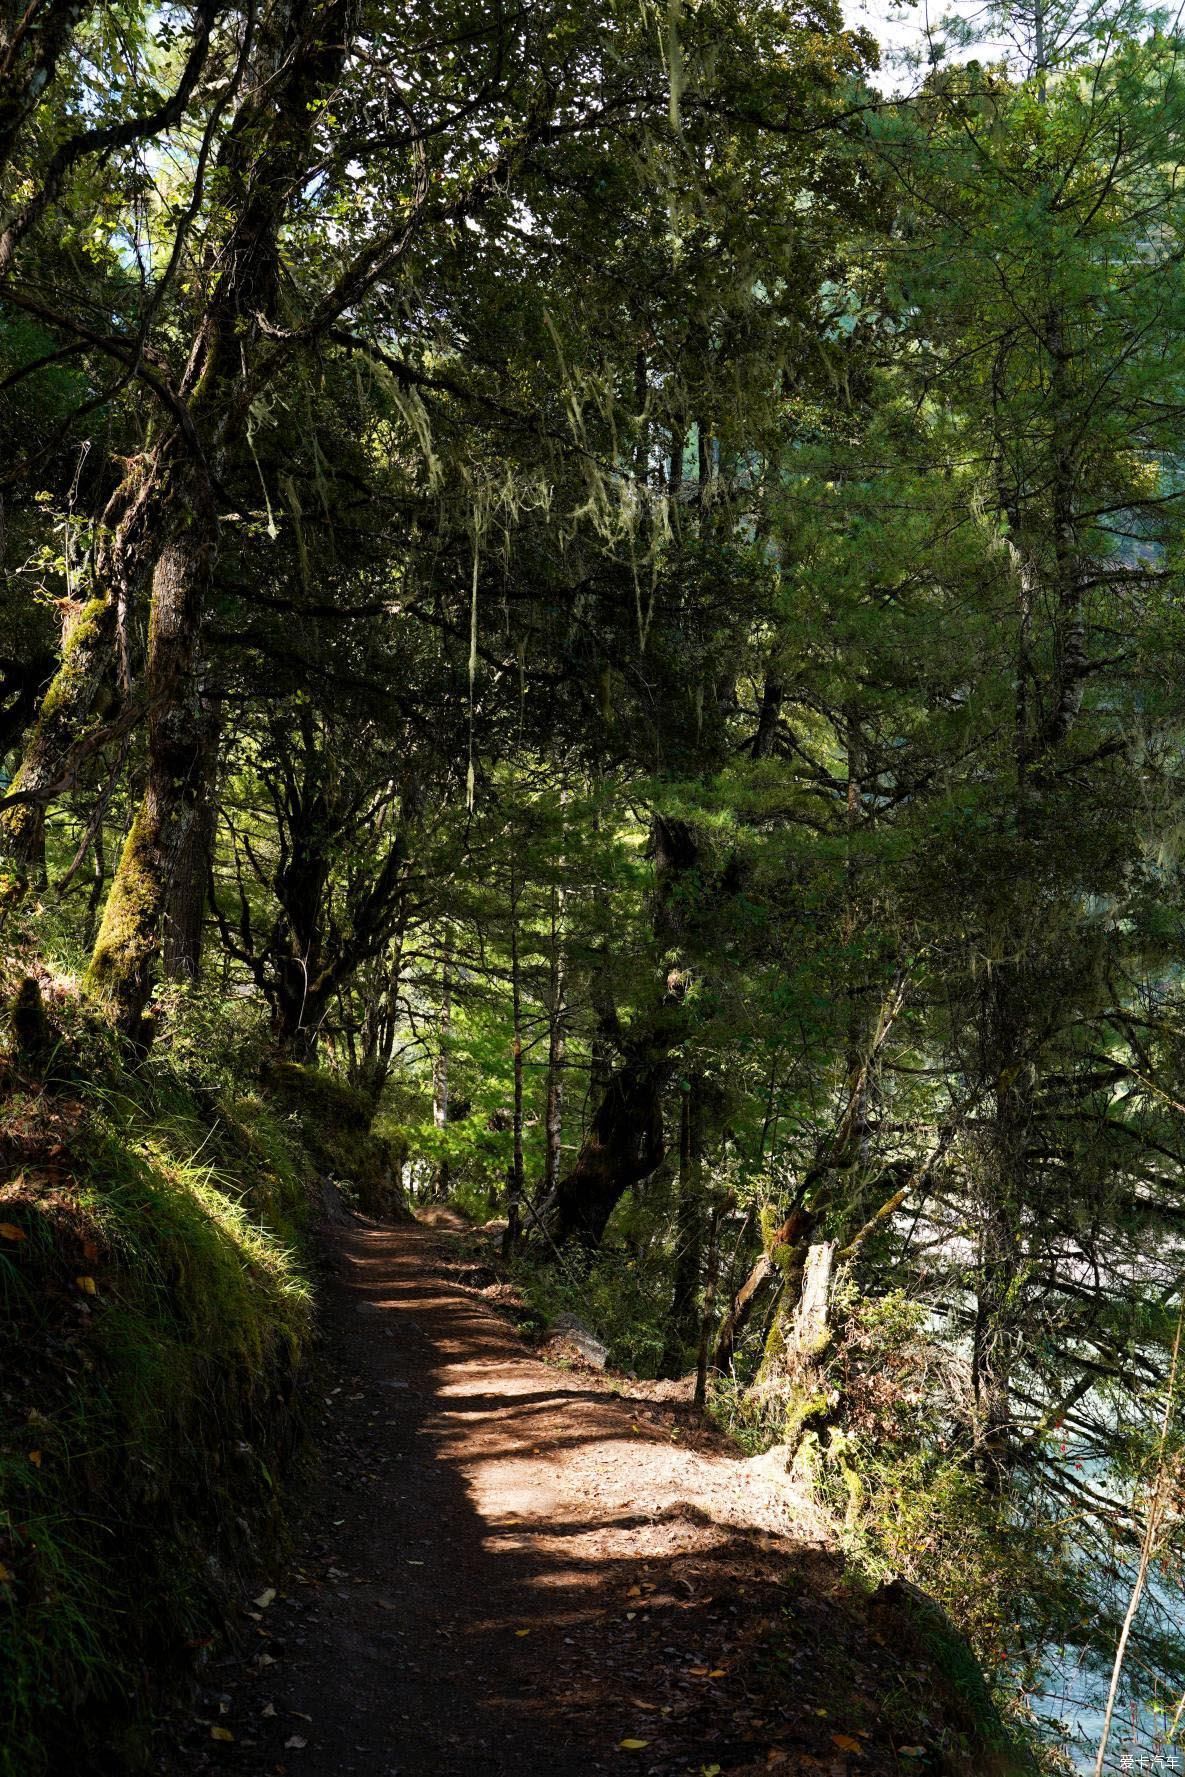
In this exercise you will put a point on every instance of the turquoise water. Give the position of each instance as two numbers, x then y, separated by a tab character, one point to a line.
1073	1705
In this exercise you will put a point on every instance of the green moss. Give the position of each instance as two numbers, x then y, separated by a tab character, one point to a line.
127	936
158	1325
803	1405
335	1124
85	636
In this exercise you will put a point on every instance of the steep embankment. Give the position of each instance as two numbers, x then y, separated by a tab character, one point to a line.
156	1322
513	1569
154	1333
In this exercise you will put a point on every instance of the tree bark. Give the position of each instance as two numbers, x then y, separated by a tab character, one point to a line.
517	1181
300	51
753	1291
556	1047
683	1317
440	1067
769	716
624	1142
130	936
186	909
709	1307
88	655
33	40
623	1146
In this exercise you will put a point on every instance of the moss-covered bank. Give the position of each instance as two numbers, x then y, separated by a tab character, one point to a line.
155	1331
335	1128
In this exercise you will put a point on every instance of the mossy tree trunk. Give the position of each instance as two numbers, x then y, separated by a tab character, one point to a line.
84	671
263	161
766	1272
792	1366
130	937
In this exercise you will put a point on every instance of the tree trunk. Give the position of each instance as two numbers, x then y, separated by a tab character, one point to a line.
709	1308
556	1046
88	657
769	717
624	1141
184	922
762	1275
33	40
381	1025
262	163
683	1317
1003	1188
440	1069
123	964
517	1182
623	1146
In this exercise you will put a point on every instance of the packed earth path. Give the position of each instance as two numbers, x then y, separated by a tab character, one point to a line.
511	1566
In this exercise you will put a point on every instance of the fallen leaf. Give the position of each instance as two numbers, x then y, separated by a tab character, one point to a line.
521	1632
10	1231
265	1598
846	1743
634	1592
294	1742
35	1458
87	1285
717	1672
217	1733
631	1745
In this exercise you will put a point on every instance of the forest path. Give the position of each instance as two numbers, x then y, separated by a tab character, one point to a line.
509	1568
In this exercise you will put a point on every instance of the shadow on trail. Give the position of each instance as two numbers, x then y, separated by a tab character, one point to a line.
481	1593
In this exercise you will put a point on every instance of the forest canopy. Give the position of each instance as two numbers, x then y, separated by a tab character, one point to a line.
610	576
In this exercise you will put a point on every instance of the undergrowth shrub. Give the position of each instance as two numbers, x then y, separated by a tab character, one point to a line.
613	1297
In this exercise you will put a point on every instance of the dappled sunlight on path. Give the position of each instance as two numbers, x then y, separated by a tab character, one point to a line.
512	1569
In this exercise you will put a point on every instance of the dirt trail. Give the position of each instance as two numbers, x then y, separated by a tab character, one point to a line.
511	1569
